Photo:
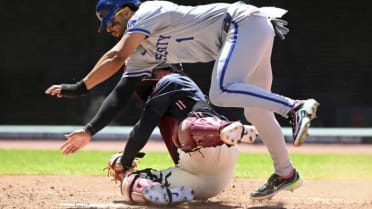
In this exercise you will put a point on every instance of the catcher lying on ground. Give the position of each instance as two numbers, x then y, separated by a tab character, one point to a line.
200	141
206	156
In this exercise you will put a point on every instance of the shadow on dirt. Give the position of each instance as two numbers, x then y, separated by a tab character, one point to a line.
201	205
190	205
278	205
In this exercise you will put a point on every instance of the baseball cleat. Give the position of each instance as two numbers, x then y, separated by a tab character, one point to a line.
250	133
275	184
236	132
300	118
161	195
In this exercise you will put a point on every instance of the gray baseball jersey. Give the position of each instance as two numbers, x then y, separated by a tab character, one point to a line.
177	33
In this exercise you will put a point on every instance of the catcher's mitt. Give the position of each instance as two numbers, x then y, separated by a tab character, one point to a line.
115	168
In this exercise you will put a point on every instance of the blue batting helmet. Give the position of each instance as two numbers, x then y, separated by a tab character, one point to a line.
106	9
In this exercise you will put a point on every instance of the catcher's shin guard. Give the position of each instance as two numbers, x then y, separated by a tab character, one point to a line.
161	195
138	187
132	187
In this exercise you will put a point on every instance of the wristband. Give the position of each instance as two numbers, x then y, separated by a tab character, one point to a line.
90	129
74	90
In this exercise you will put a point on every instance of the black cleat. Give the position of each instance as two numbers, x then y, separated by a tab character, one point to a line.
275	184
300	117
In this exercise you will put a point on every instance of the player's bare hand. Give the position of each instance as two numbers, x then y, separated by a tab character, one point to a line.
68	90
54	90
75	141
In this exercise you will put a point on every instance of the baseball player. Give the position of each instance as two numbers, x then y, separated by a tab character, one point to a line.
199	140
238	36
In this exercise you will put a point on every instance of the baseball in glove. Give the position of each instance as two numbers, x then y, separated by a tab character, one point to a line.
115	168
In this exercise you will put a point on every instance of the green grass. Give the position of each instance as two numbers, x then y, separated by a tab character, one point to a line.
311	166
252	165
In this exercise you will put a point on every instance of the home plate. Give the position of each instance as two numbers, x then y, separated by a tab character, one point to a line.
95	205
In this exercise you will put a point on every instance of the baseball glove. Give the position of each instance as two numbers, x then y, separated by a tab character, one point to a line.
115	168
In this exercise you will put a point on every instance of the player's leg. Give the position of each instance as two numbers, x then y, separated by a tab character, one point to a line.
242	52
202	186
194	133
145	186
271	134
237	63
273	138
207	171
201	174
204	161
163	195
285	176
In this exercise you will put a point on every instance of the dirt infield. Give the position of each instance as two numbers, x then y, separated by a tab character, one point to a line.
93	192
99	192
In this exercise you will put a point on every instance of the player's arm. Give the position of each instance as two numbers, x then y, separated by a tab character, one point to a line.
106	67
141	132
113	103
112	60
138	137
117	100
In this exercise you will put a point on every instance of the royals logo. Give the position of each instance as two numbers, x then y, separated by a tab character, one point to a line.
131	23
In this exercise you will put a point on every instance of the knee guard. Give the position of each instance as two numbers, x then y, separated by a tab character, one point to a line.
194	133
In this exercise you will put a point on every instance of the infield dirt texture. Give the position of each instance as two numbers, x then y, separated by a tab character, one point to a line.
94	192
